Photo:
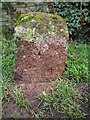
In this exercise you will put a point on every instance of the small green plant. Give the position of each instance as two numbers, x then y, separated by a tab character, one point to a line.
39	113
21	102
63	98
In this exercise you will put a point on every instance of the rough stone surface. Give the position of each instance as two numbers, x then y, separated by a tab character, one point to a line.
41	41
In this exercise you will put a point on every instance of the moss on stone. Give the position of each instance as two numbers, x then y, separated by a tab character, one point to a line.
28	17
40	25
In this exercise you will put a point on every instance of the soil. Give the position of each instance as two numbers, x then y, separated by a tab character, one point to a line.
31	92
84	89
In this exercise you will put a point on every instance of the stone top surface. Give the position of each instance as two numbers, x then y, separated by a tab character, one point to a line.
36	26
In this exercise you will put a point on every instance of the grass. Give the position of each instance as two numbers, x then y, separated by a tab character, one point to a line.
63	96
7	67
9	91
77	63
19	98
0	78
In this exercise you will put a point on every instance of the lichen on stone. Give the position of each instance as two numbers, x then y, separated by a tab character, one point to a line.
40	26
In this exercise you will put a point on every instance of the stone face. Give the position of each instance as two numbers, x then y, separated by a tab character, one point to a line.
41	41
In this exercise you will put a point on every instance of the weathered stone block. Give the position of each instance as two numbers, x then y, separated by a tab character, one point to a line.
41	41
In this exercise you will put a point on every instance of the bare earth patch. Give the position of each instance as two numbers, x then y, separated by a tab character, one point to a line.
31	92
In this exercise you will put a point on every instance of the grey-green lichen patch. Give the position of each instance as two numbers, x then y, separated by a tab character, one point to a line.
34	27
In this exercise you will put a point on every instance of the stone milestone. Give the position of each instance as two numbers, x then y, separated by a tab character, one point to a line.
41	47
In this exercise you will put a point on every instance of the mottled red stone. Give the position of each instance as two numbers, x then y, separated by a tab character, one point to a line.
43	60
